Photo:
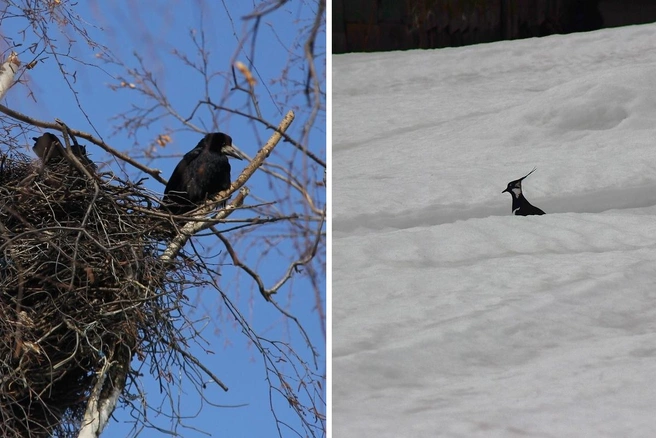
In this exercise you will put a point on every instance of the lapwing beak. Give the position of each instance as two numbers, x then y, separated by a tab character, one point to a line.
505	190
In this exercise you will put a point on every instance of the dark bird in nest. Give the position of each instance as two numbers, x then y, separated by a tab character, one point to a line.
203	172
50	150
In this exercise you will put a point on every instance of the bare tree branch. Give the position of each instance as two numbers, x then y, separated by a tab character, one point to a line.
8	70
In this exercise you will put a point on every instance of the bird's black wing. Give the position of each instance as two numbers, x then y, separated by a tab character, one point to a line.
176	196
536	210
81	153
177	180
528	210
194	153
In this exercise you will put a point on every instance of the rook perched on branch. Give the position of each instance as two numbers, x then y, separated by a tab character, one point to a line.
202	173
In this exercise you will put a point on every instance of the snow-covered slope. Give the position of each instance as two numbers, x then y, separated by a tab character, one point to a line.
451	316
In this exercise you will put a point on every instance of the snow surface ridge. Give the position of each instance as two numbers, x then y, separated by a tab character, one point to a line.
595	202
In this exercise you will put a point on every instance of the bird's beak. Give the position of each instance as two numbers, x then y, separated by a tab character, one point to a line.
233	152
505	190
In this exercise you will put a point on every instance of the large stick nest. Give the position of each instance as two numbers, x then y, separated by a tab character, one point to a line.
80	286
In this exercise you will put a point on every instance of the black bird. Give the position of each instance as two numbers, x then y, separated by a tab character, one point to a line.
50	149
521	206
203	172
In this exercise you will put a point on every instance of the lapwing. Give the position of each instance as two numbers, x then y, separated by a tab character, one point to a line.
520	205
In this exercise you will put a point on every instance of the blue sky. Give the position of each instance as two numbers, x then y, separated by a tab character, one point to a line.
155	31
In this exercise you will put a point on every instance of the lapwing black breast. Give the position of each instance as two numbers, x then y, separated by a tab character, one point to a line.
520	205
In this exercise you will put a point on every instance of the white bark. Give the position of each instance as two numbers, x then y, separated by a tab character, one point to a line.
7	72
99	410
107	407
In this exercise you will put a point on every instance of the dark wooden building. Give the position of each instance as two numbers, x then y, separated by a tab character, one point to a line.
381	25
